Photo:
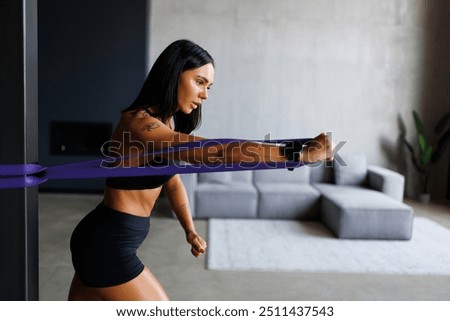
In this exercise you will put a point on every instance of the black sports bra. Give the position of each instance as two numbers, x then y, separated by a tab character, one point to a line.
140	182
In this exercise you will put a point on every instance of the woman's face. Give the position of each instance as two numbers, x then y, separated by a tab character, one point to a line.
193	87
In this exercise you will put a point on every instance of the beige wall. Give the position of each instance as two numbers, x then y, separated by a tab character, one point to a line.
294	68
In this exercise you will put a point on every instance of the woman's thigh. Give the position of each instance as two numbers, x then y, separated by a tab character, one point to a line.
144	287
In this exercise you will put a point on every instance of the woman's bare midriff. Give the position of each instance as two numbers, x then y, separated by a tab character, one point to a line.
135	202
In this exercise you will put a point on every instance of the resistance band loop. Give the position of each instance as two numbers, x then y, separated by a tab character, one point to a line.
27	175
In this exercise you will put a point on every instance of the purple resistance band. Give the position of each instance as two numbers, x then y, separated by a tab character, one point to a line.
27	175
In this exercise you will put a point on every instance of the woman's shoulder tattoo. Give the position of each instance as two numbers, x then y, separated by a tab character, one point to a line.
148	127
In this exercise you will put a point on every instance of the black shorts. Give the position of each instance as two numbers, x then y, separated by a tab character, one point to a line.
104	246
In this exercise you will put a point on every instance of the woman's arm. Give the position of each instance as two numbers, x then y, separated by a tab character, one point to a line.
154	135
178	199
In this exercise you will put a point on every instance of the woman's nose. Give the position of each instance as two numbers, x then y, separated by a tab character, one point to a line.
204	94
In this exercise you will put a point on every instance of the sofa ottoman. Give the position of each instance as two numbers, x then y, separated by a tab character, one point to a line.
352	212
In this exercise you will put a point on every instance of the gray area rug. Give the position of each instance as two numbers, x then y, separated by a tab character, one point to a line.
276	245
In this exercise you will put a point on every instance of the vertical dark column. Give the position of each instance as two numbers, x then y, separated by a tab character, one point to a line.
18	145
448	180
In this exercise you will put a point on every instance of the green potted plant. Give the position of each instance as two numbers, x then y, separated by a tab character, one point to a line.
428	154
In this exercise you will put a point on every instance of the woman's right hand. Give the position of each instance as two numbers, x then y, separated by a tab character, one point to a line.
321	148
198	244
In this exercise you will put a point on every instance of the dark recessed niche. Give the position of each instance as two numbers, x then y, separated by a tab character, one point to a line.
79	138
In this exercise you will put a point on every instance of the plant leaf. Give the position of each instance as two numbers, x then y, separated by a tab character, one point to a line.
418	122
423	146
426	157
413	156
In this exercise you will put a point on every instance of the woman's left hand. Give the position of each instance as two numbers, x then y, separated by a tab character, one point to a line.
197	243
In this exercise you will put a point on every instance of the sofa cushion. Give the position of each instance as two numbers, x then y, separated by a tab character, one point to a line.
226	177
234	200
215	177
287	201
298	175
353	172
242	176
321	172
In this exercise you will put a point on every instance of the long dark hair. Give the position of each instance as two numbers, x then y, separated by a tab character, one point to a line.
160	89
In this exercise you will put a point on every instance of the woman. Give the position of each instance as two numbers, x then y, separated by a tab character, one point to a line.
166	111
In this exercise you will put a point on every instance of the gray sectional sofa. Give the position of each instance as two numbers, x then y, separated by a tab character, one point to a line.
353	200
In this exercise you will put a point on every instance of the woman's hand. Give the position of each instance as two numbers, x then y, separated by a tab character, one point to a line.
321	148
197	243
